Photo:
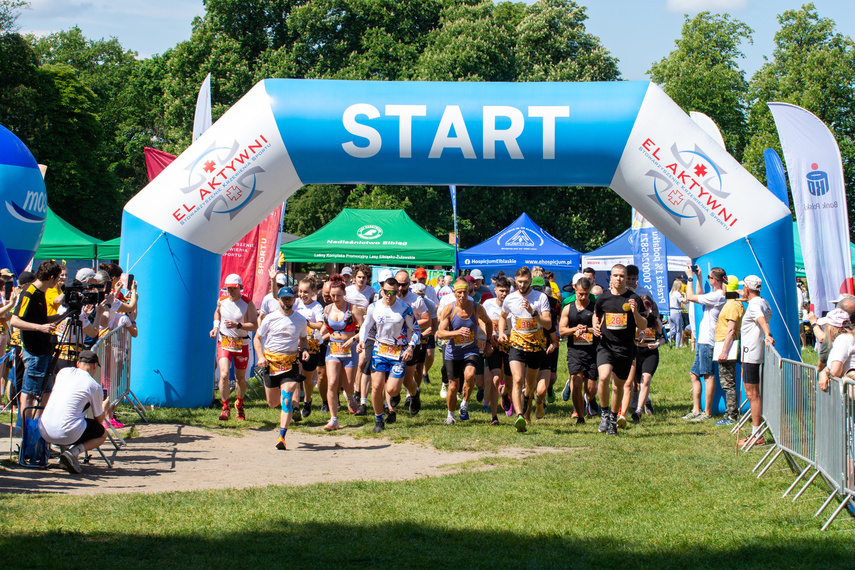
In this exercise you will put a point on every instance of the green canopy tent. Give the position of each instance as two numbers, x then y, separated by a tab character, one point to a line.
61	240
109	249
373	237
800	262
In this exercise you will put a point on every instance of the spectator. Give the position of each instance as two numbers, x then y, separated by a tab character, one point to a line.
36	330
676	301
727	332
755	331
63	422
840	357
480	292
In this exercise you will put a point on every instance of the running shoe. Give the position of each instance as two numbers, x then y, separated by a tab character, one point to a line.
550	395
280	443
565	395
725	421
527	412
540	411
702	417
691	416
325	409
416	403
352	405
425	379
449	421
332	425
604	421
612	427
408	401
394	401
594	408
297	418
241	414
224	416
480	395
443	392
379	426
392	417
464	410
636	416
362	410
116	424
520	424
307	409
648	407
621	421
494	421
70	462
574	415
580	420
507	405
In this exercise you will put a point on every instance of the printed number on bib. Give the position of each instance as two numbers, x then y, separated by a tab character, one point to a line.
390	351
280	363
526	324
231	343
616	321
647	335
337	350
583	339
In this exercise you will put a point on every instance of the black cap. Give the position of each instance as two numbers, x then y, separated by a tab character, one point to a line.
89	357
26	277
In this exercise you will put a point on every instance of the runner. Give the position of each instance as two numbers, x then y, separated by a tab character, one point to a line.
529	310
397	335
238	318
312	311
341	322
458	324
499	377
428	343
616	318
647	343
578	326
429	351
360	294
324	299
284	341
420	311
549	368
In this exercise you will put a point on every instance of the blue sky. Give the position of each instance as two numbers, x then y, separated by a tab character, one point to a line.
638	32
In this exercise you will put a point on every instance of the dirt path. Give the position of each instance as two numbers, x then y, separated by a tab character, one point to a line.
162	458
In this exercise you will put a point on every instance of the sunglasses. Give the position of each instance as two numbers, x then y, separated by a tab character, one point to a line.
389	292
537	288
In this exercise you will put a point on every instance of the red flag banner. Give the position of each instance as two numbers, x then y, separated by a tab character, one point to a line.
253	255
156	161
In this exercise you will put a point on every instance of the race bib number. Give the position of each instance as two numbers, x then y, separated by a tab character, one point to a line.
280	363
464	340
584	339
390	351
647	335
337	350
481	345
615	321
527	324
231	343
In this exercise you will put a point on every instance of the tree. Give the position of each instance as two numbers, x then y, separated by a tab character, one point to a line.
812	66
9	11
702	74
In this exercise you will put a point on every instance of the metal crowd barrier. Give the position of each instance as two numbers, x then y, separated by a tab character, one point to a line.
812	429
114	354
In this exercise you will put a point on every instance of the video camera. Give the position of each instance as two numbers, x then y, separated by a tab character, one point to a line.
78	294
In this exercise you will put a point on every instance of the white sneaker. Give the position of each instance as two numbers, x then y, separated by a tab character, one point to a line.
69	461
449	421
444	391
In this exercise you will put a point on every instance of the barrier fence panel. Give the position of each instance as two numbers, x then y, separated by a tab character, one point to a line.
114	354
829	423
848	395
798	410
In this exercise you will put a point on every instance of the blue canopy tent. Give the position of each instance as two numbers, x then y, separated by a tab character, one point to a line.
521	243
619	250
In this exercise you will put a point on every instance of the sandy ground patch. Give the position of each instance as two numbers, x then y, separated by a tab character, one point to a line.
161	458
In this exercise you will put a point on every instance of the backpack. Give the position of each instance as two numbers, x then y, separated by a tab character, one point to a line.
34	451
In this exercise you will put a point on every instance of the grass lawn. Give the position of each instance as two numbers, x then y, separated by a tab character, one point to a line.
664	494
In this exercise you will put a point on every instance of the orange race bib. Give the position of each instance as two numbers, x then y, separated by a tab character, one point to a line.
464	340
337	350
280	363
526	324
231	343
482	344
647	335
585	339
390	351
615	321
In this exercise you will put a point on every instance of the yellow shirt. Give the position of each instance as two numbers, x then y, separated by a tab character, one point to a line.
556	292
50	296
732	311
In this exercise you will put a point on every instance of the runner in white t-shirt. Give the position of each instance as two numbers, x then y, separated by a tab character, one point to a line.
239	317
530	316
282	341
313	312
498	368
712	303
63	420
420	311
360	294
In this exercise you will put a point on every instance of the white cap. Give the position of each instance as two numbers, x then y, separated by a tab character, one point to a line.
85	274
418	288
577	277
384	275
233	280
752	282
476	274
281	280
347	271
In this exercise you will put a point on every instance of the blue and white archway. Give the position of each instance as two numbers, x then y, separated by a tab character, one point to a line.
286	133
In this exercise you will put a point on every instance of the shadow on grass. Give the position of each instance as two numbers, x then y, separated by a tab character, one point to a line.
332	545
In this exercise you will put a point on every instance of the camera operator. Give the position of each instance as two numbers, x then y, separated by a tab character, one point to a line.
80	303
36	328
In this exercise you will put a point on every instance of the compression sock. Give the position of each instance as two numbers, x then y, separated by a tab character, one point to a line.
225	403
282	431
238	402
356	394
378	418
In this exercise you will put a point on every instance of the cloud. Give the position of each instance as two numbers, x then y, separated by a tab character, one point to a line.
684	6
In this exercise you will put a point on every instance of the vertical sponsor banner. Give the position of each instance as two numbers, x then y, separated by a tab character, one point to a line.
253	255
650	255
453	189
815	171
202	119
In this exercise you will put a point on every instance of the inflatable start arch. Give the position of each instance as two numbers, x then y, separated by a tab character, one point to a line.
286	133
